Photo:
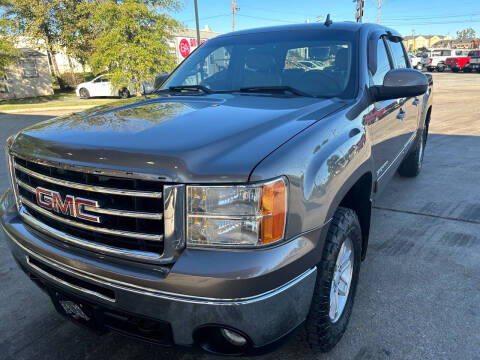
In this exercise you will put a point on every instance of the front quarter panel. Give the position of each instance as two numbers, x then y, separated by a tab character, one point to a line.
322	164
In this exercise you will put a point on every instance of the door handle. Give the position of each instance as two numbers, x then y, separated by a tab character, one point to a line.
401	115
416	102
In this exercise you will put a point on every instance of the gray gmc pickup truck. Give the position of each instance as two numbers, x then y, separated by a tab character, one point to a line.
233	205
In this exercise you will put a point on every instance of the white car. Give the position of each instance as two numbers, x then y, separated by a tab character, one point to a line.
416	62
100	86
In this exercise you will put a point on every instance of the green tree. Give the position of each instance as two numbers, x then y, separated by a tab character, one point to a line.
131	39
467	34
7	50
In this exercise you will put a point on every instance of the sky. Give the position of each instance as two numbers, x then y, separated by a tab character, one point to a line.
442	17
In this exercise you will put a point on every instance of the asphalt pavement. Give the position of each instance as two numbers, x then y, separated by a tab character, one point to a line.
419	290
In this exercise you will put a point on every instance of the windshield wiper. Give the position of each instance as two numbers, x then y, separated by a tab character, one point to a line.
189	88
271	89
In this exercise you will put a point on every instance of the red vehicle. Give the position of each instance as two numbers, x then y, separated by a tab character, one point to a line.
462	62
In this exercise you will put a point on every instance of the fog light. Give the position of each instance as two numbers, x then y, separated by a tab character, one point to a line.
233	337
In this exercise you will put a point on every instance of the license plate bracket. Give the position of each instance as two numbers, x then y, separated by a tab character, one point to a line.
78	311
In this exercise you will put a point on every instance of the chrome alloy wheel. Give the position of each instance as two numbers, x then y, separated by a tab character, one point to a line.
342	280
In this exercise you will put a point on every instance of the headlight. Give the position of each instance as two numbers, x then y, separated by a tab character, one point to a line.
237	215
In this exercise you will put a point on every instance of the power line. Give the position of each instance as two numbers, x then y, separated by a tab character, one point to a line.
435	23
206	18
267	19
433	17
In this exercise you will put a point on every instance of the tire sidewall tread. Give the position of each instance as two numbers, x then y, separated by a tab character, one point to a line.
321	334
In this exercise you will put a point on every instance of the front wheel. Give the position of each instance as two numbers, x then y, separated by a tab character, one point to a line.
84	94
336	283
440	68
124	94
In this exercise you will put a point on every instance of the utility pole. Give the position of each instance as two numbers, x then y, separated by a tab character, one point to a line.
196	21
413	40
359	10
379	8
234	9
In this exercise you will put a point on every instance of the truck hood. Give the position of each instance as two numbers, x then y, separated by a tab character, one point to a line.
214	138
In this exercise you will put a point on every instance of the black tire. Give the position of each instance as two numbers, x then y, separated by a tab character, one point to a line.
321	332
124	93
84	94
440	68
467	69
412	164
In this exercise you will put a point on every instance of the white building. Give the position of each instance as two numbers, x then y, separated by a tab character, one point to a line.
185	41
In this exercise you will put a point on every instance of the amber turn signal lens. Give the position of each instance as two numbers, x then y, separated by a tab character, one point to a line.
274	207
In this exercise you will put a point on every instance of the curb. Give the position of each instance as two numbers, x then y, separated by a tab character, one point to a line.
55	108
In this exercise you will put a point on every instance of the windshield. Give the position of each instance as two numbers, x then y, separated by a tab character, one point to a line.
473	53
317	63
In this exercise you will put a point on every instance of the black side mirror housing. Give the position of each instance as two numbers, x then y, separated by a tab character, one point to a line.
400	83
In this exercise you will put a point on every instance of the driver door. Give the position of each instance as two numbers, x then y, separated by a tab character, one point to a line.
385	122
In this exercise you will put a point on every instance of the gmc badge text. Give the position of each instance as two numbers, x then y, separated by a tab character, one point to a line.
232	205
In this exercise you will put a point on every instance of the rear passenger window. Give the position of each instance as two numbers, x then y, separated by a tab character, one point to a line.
383	64
398	54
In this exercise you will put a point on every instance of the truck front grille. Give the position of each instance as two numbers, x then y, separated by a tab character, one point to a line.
129	212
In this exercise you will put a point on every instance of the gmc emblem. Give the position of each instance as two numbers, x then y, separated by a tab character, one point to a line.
73	206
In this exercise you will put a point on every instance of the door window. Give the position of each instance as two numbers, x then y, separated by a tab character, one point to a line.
398	55
383	64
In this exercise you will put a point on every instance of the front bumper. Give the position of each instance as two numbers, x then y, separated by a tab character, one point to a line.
264	317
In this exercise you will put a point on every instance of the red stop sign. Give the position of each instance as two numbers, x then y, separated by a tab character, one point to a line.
184	48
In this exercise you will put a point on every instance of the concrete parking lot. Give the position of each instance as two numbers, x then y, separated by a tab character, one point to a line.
419	290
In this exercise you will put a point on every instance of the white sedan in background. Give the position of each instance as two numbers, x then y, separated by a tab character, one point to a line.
100	86
416	62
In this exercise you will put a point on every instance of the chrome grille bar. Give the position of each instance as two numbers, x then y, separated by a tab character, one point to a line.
100	189
106	211
135	235
38	225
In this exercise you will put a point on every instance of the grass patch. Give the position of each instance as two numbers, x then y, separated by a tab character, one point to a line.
54	104
57	96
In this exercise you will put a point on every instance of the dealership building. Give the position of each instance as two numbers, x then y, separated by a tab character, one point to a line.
185	41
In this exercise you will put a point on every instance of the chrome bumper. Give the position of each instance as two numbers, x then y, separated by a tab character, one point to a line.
265	317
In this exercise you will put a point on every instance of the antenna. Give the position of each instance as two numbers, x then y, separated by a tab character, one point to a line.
328	22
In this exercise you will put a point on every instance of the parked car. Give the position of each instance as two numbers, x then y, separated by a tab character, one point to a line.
436	59
416	62
228	213
475	60
461	62
100	86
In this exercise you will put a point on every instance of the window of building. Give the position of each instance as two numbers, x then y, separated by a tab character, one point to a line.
29	67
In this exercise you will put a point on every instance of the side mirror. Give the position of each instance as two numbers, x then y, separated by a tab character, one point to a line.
400	83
